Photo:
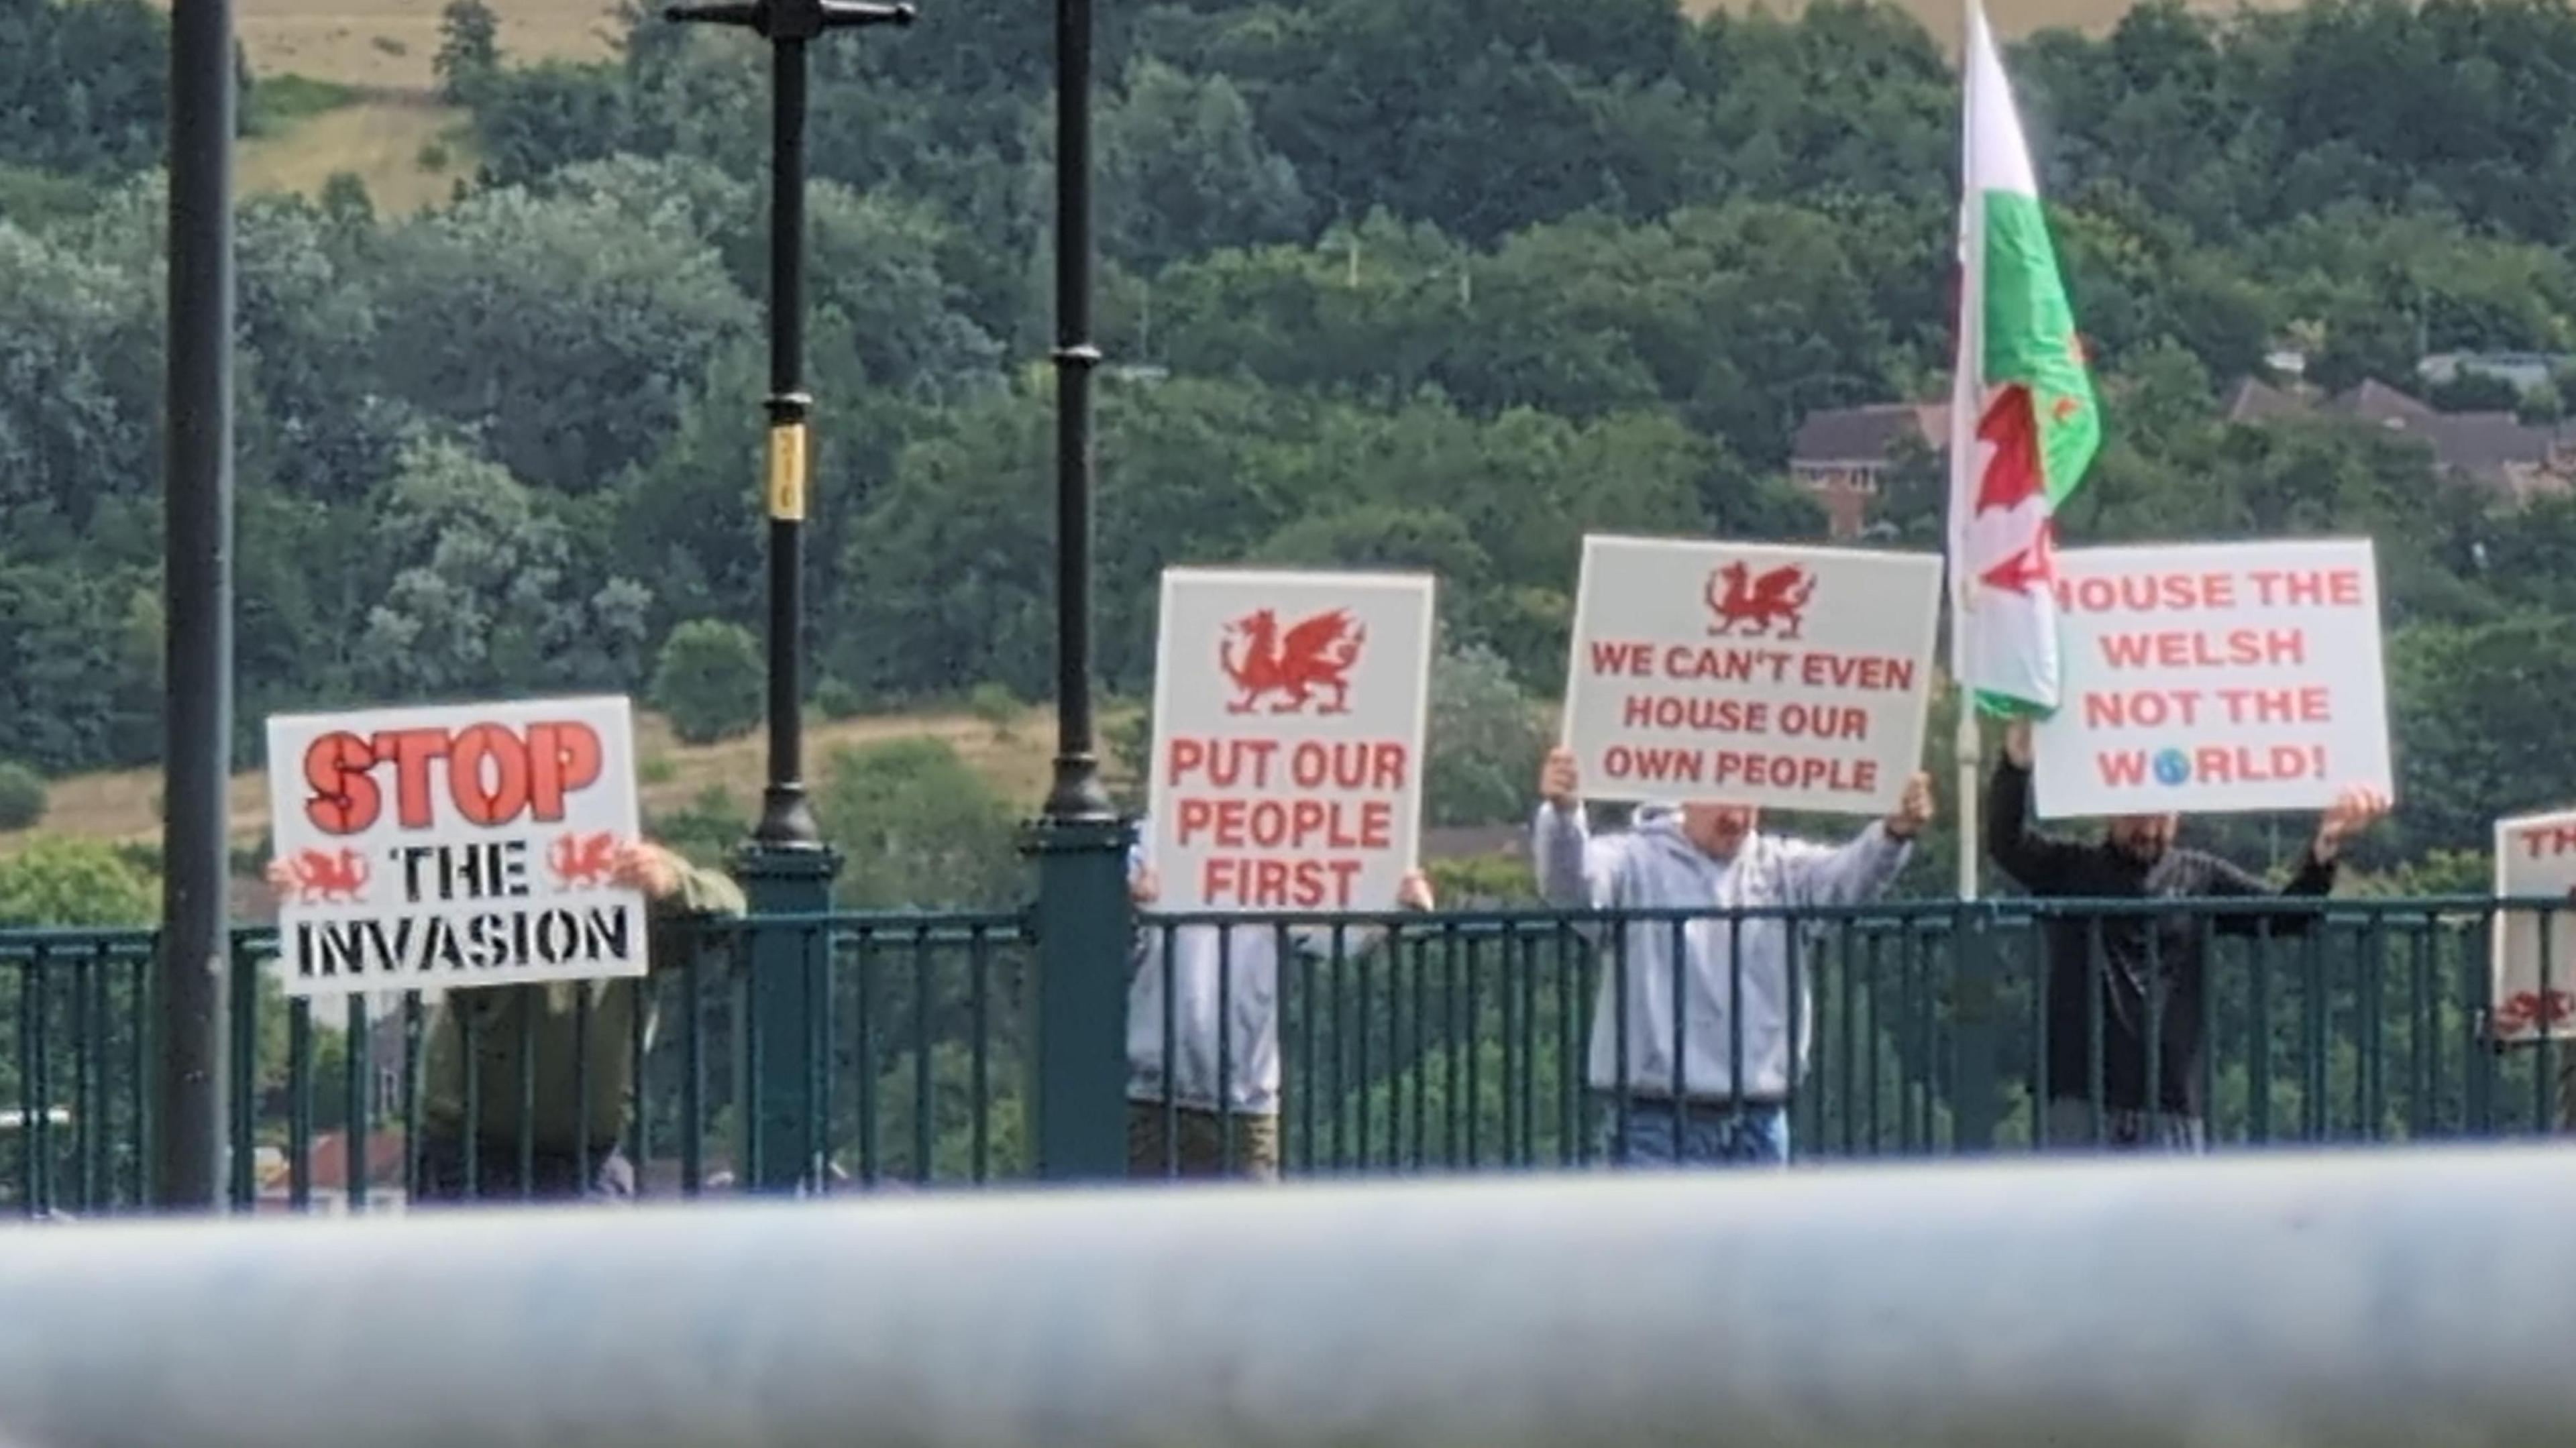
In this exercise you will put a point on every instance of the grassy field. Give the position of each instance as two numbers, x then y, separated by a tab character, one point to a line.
1015	756
387	45
409	152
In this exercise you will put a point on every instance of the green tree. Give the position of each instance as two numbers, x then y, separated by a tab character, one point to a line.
1485	742
564	333
22	796
479	592
1185	170
708	680
469	49
71	882
918	827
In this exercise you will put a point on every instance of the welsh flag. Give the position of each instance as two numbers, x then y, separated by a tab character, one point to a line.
2023	423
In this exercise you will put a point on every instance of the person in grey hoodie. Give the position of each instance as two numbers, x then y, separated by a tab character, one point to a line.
1212	1109
1708	1108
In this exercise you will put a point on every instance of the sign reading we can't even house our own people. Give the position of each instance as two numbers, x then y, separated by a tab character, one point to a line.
455	846
2534	992
1795	677
2215	677
1288	717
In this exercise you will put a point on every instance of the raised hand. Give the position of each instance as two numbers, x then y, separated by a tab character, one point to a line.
1914	811
2356	809
643	865
1558	782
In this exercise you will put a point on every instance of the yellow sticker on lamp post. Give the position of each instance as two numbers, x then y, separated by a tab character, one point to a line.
787	472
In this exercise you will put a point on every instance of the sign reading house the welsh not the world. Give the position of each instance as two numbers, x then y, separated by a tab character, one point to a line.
1750	674
454	846
2215	677
1288	718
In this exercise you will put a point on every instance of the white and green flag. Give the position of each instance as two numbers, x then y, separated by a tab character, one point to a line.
2023	420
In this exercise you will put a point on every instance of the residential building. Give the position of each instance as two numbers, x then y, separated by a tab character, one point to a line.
1843	455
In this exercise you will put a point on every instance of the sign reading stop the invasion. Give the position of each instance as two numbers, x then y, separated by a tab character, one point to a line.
1754	675
2215	677
454	846
2535	958
1288	717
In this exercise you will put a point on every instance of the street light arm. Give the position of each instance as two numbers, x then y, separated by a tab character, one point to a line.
841	13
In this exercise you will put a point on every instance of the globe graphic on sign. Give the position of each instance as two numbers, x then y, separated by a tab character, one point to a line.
2172	767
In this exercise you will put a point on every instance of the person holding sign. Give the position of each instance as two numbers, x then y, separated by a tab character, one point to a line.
2150	987
572	1155
1219	1092
1711	1107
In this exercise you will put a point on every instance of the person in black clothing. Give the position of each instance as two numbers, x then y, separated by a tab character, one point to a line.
2136	859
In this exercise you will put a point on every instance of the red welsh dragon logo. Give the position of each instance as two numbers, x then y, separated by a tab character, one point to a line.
322	876
1777	597
1287	668
582	861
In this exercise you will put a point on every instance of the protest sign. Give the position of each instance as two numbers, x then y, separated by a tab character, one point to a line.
2535	951
2215	677
1288	719
1795	677
454	846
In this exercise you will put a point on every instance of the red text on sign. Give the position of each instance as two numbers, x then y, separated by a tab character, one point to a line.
2147	593
2191	649
2310	587
2543	842
492	774
2219	764
2306	704
2141	708
1307	764
1727	665
1637	660
1286	824
1253	883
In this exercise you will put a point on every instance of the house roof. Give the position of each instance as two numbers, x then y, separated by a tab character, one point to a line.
2376	401
2493	449
1857	434
2254	400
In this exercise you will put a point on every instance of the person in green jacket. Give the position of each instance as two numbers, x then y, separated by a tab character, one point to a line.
576	1131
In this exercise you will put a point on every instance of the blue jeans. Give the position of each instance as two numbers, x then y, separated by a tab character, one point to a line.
1700	1134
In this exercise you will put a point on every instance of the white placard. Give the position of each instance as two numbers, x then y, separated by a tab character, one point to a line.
1750	674
2535	857
1288	718
2215	677
454	846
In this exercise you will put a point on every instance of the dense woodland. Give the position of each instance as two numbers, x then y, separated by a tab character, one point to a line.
1404	282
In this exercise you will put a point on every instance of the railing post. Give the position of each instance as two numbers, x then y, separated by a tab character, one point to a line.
1975	1100
1084	929
777	1007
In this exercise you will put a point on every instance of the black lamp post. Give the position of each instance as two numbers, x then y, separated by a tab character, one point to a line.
197	581
786	869
1080	843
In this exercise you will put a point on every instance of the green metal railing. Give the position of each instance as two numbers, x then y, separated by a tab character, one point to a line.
1405	1043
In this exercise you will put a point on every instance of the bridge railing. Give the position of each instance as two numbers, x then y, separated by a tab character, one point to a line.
2301	1300
1405	1043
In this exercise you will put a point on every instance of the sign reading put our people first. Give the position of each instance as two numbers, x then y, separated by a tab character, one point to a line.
1795	677
454	846
2215	677
1288	717
2535	950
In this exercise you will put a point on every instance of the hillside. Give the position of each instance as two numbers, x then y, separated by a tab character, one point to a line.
121	805
390	133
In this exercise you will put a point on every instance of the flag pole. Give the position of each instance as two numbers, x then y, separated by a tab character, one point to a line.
1971	845
1968	744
